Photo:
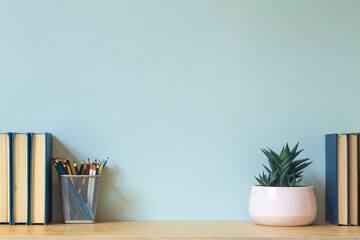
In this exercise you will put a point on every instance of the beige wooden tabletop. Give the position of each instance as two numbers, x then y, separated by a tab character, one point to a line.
161	230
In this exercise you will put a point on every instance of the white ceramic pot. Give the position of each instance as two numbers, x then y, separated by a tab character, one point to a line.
283	206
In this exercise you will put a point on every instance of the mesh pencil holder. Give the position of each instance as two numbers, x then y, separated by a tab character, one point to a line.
78	197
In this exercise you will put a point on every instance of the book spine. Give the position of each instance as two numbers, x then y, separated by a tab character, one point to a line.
11	180
48	177
358	146
29	152
331	188
348	178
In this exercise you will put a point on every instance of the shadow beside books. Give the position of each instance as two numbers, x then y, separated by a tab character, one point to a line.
58	149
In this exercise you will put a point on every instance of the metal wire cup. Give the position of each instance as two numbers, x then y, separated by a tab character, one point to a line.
79	197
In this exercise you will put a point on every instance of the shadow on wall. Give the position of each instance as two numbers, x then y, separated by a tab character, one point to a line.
58	150
111	203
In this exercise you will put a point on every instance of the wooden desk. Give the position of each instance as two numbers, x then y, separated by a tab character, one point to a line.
174	230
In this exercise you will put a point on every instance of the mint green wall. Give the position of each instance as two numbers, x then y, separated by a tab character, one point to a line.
181	95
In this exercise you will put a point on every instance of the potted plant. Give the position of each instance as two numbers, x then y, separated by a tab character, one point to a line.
280	200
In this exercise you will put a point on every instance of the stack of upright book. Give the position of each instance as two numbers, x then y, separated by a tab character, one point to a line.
25	178
342	179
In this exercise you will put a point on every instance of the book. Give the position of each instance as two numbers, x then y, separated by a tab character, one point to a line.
353	179
5	143
20	162
343	179
331	187
358	207
40	178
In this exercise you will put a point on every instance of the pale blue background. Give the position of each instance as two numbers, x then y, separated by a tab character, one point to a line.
181	95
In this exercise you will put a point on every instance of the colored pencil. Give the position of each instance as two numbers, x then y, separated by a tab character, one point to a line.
68	163
57	169
81	167
76	169
103	165
60	168
87	167
65	168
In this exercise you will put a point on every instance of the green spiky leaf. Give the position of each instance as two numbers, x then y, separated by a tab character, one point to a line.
267	169
283	169
259	181
298	182
302	166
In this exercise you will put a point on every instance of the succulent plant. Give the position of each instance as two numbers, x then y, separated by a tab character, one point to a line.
284	170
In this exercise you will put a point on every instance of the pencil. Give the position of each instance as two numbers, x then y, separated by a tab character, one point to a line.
76	168
100	169
103	165
88	167
65	169
69	170
91	185
84	171
81	167
60	167
57	169
64	165
69	173
68	163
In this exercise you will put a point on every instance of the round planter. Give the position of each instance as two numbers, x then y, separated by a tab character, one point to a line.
283	206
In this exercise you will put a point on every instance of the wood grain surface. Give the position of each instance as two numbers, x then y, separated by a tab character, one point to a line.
161	230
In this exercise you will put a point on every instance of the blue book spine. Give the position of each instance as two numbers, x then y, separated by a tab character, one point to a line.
331	188
29	152
48	177
358	148
348	178
11	180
